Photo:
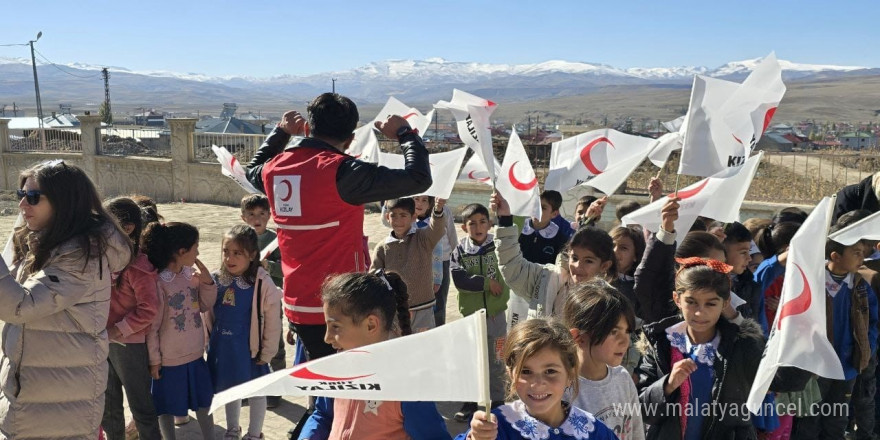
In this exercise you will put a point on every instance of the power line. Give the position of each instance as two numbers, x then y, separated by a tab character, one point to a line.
14	44
60	69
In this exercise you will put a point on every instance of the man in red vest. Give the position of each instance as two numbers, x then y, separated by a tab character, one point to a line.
316	194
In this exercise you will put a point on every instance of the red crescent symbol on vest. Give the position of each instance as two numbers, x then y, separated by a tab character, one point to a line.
585	154
520	185
686	194
798	305
472	177
289	190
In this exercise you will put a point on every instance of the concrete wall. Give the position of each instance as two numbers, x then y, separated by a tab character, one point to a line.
164	179
182	178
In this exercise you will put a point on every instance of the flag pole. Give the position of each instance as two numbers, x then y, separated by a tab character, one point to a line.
483	356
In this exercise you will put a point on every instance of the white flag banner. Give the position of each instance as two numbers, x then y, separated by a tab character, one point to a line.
749	111
445	364
231	168
472	120
665	145
718	198
574	160
674	125
266	251
517	182
365	146
725	120
609	180
708	146
8	250
444	169
867	228
798	337
416	119
475	171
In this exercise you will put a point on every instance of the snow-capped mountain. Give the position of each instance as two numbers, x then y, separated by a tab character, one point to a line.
416	81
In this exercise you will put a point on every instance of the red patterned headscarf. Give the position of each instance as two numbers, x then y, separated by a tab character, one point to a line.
717	266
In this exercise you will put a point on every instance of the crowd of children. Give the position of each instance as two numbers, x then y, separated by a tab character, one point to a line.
631	334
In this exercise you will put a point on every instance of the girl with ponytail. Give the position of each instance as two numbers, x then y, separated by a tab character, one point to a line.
363	309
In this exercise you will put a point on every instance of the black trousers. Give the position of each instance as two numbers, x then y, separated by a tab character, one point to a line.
312	337
830	416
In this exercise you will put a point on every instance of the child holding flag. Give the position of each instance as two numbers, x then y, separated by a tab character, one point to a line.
480	286
363	309
698	361
541	362
589	254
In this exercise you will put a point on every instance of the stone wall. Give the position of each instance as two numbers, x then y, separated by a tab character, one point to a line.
175	179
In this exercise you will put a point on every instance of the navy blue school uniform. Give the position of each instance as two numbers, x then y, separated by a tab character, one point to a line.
229	355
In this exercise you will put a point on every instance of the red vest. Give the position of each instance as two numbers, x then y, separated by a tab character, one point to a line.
318	233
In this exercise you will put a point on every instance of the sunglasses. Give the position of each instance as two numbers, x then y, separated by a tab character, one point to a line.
32	196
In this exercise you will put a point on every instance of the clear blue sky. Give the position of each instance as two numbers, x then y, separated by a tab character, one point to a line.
261	38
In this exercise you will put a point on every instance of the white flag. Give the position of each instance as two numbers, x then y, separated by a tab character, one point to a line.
365	146
416	119
718	198
517	181
472	120
231	168
708	145
445	364
475	171
725	119
749	111
574	160
867	228
798	337
444	169
266	251
8	250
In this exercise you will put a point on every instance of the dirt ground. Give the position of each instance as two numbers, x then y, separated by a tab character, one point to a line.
212	221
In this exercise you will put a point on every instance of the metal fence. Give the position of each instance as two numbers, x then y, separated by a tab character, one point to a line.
135	141
46	139
242	146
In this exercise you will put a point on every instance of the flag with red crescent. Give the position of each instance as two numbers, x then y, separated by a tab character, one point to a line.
718	197
365	145
725	119
231	168
444	169
472	121
416	119
474	171
580	158
517	181
798	336
408	368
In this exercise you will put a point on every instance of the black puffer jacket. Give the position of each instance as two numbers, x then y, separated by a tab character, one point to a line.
857	196
739	354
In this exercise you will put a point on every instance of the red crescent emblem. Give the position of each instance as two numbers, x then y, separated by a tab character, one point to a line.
472	177
767	118
588	160
520	185
305	373
490	103
409	116
736	139
686	194
289	190
798	305
232	162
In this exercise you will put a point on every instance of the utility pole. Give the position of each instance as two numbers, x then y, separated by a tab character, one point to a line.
106	74
37	90
334	84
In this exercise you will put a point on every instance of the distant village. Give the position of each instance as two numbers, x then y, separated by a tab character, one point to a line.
781	137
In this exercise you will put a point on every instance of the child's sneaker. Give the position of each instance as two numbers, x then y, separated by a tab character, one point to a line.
181	420
466	412
252	437
232	433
